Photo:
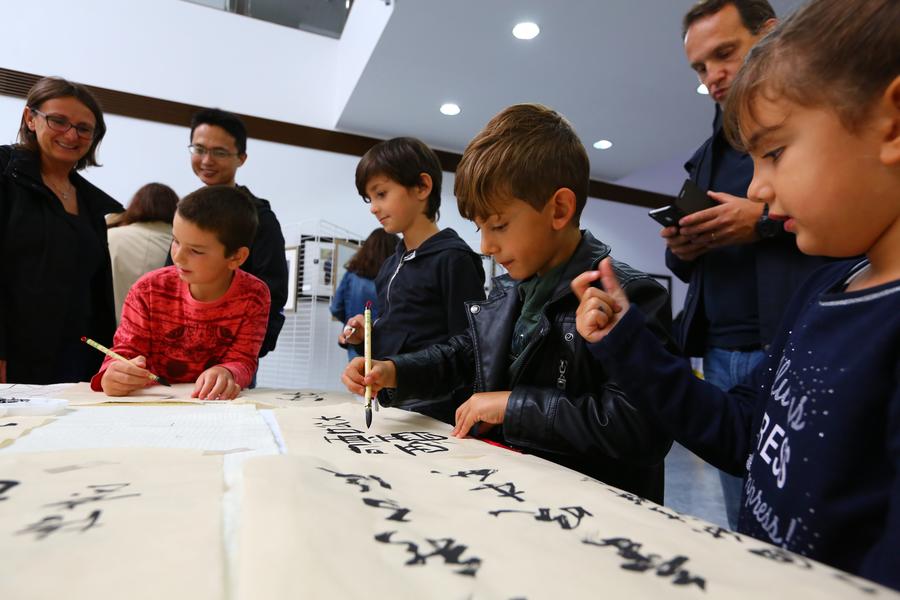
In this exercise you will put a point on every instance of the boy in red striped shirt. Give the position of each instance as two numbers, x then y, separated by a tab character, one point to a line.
201	320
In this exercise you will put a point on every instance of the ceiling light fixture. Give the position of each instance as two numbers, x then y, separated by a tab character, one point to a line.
603	145
450	109
701	89
526	31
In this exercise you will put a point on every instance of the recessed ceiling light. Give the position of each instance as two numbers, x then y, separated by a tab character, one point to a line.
526	31
450	109
603	145
701	89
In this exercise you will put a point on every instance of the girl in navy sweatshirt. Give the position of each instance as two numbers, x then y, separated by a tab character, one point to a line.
815	430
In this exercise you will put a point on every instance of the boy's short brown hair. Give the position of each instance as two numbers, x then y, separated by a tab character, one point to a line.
224	210
528	152
403	160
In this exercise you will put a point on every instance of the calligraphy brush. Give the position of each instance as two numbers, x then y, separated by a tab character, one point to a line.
368	356
117	356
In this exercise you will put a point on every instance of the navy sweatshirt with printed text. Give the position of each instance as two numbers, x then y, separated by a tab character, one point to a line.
814	431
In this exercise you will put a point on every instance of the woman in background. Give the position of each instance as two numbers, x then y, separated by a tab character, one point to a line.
358	284
54	262
140	238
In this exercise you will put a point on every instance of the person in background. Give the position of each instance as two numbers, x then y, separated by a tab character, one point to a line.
741	266
422	288
218	149
357	287
55	267
139	238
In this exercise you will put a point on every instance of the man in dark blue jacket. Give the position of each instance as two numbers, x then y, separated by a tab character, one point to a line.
741	266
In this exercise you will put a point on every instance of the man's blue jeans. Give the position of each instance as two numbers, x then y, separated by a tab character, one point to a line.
725	369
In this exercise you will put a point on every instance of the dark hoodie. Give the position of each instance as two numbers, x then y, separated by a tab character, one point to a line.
421	297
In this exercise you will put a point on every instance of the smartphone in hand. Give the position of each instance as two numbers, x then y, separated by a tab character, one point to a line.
690	199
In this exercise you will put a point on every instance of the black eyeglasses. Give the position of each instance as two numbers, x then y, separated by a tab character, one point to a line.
62	125
215	152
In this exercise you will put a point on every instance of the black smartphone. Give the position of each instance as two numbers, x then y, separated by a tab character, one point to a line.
692	199
667	216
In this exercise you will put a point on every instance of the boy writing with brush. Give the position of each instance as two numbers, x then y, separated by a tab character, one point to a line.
201	320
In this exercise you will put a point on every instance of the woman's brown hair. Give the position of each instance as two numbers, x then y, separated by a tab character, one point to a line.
153	202
374	251
49	88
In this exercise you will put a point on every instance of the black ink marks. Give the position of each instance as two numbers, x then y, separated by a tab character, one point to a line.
445	548
358	441
418	442
669	514
5	486
49	525
782	556
100	494
506	490
399	513
482	474
719	533
298	396
650	563
858	584
54	523
13	400
629	497
543	514
9	425
359	480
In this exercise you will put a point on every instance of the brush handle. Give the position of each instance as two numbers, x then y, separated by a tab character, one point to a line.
368	354
113	354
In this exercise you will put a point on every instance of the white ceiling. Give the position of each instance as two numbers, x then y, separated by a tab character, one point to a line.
615	68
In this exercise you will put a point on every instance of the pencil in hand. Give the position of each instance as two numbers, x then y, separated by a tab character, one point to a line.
115	355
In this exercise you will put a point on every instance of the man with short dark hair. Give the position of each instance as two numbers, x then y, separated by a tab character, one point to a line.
742	267
218	149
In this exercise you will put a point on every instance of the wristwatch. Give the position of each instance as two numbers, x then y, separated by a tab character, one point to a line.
767	228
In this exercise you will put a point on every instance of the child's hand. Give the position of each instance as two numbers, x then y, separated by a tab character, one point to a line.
216	383
599	310
122	378
382	375
485	409
358	324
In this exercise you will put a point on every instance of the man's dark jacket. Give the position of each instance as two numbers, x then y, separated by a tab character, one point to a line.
267	262
562	407
780	266
38	264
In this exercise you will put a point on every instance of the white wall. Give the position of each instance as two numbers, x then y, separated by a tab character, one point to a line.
194	54
634	238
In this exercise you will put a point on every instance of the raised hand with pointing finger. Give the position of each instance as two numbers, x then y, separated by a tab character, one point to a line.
599	309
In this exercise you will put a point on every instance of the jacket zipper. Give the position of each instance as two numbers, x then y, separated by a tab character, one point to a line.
561	380
387	295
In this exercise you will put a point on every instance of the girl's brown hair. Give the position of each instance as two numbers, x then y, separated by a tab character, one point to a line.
49	88
830	53
153	202
374	251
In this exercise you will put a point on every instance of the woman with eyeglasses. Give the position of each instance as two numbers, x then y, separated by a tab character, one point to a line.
54	261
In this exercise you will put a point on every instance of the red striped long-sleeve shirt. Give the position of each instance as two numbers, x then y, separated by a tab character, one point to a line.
181	337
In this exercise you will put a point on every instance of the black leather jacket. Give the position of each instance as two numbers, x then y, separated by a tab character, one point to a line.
562	407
